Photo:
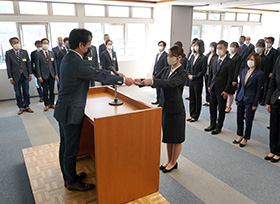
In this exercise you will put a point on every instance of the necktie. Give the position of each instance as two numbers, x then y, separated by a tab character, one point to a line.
47	55
266	52
219	64
17	54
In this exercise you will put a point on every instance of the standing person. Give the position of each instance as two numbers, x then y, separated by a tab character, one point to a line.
236	59
172	81
160	63
63	52
109	57
38	45
59	47
69	111
210	56
20	74
247	97
251	47
243	51
102	48
47	73
92	58
196	70
273	107
220	82
184	60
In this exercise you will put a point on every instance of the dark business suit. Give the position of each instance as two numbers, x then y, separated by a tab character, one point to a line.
75	74
47	70
243	52
101	49
107	61
160	63
91	56
174	116
197	69
19	70
273	100
219	81
61	54
56	53
236	59
33	65
251	48
247	96
206	76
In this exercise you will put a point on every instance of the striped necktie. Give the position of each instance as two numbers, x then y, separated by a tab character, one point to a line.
18	58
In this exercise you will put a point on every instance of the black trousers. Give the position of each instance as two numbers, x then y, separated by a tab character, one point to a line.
265	88
206	88
217	102
68	150
195	90
274	135
48	91
158	94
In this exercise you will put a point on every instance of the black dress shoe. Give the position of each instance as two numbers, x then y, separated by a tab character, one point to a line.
210	128
168	171
81	176
216	131
162	167
80	186
274	160
236	142
193	120
268	127
155	103
268	158
242	145
189	119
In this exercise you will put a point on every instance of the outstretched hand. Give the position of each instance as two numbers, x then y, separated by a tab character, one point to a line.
128	81
147	82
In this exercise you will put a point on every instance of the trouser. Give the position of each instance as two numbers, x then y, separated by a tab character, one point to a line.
195	90
22	86
274	135
245	110
206	88
265	88
68	150
48	91
217	101
158	94
39	87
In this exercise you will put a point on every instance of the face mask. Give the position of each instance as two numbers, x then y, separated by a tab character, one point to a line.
45	46
109	47
16	46
196	48
39	49
241	42
212	49
258	50
268	45
247	42
250	63
60	44
160	48
220	52
67	46
171	61
232	50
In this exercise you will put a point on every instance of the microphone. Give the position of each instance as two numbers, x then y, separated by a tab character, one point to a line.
116	101
112	69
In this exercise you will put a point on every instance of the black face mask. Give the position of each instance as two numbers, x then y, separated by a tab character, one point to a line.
88	51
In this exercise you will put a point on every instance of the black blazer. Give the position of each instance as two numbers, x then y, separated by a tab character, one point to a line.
251	48
273	92
61	54
107	61
92	57
222	80
101	49
172	89
266	66
271	57
75	74
46	68
197	69
208	65
160	63
237	66
33	61
184	62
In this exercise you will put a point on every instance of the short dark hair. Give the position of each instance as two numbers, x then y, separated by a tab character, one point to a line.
235	43
179	43
177	51
261	40
105	35
79	35
260	43
201	48
44	39
164	43
108	41
37	42
222	42
214	44
271	38
194	40
258	60
65	39
242	36
13	38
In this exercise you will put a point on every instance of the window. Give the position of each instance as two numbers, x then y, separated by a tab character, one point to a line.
210	33
242	17
247	30
138	12
61	30
255	18
232	33
63	9
136	39
97	33
116	32
199	16
230	16
36	8
214	16
8	30
6	7
196	32
118	11
94	10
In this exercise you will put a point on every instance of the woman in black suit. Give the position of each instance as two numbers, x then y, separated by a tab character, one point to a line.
247	97
196	70
171	81
210	56
273	107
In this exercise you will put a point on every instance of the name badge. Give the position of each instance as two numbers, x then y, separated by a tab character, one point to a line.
24	59
89	58
114	58
52	59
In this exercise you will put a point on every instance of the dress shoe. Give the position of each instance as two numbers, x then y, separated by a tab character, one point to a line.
189	119
80	186
268	158
81	176
268	127
29	110
169	170
193	120
210	128
41	100
274	160
187	98
236	142
206	104
20	111
52	106
162	167
242	145
46	108
216	131
155	103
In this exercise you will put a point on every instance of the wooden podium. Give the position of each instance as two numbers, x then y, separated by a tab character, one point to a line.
125	143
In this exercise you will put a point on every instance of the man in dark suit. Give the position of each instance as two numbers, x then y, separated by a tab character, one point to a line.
160	63
92	58
109	57
69	111
102	48
251	47
220	83
47	73
20	74
33	54
243	51
58	47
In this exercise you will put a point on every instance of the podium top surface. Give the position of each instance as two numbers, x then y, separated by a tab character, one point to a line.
98	103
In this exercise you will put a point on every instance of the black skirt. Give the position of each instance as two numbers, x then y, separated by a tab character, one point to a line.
232	89
173	125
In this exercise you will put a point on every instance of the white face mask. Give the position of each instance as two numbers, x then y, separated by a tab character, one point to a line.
258	50
160	48
211	49
247	42
220	52
171	61
232	50
250	63
268	45
196	48
109	47
39	49
45	46
16	46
